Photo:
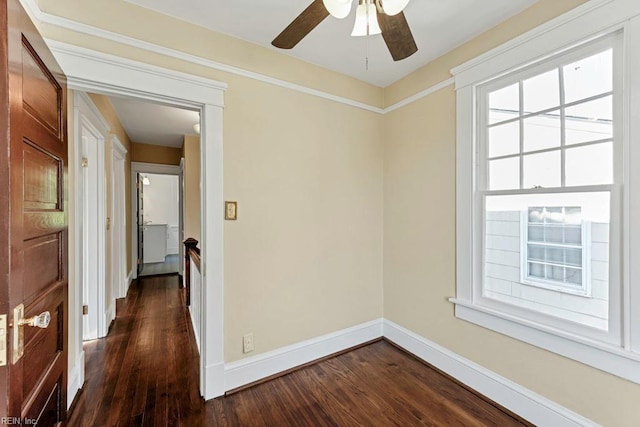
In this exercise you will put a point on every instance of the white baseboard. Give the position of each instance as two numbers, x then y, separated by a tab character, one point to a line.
213	374
252	369
75	379
524	402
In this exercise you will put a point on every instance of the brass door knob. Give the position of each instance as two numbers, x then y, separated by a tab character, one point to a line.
42	320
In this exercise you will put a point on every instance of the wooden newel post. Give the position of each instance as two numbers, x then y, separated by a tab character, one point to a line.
189	245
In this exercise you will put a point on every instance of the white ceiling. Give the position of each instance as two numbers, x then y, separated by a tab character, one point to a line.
438	26
149	123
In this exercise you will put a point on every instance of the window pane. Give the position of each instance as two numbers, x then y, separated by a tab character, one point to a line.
541	92
536	233
598	111
573	257
553	234
504	174
536	215
589	165
573	235
589	76
504	139
542	170
554	215
580	130
574	275
504	104
542	132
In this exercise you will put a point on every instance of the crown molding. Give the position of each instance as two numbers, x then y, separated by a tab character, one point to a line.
39	16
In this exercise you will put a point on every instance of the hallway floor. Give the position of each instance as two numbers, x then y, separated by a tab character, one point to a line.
145	373
169	266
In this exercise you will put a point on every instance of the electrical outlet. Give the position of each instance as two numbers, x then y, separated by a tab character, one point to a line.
247	343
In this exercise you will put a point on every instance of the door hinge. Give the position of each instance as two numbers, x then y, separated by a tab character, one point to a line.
139	185
85	309
85	162
3	340
108	223
139	261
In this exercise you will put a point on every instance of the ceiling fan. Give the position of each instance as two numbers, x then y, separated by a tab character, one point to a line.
372	17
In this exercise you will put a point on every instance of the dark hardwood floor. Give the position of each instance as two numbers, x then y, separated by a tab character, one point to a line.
145	373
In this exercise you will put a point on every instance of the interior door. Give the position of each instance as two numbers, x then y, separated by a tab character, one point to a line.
140	187
33	239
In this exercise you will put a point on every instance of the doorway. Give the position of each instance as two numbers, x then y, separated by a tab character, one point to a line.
89	70
157	215
91	132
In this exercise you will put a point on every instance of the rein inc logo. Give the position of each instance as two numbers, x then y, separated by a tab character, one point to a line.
16	421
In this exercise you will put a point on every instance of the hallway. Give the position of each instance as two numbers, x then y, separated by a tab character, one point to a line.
145	373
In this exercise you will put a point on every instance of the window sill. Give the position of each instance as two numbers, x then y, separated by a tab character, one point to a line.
614	360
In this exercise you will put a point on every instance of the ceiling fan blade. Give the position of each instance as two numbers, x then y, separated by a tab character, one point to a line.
397	35
301	26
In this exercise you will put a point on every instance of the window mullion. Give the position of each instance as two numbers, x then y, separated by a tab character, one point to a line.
563	129
521	121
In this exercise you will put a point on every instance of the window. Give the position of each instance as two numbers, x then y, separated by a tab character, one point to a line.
548	197
553	247
545	137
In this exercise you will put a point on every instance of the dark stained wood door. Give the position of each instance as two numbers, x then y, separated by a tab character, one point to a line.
33	238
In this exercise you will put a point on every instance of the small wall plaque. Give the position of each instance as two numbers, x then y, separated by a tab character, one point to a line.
231	211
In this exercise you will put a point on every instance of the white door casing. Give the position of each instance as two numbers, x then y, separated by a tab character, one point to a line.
90	132
118	219
97	72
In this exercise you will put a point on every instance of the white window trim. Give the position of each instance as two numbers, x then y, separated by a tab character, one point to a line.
588	22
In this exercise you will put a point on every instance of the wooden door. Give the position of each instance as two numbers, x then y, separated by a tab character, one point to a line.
33	217
140	187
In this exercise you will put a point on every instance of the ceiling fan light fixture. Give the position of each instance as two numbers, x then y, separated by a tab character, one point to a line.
366	20
338	8
393	7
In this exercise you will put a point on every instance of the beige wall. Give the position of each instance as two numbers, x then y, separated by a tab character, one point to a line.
420	249
108	113
147	153
305	256
192	197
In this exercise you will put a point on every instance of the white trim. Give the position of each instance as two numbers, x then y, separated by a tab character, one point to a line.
252	369
117	145
118	219
87	115
129	279
422	94
583	24
522	401
573	341
193	59
125	78
212	247
530	35
609	358
75	379
37	15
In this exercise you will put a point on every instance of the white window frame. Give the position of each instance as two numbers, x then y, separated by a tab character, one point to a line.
618	351
584	290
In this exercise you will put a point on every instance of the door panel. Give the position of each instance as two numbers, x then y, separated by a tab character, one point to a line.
36	219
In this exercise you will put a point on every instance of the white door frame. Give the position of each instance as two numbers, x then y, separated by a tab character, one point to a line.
153	168
91	238
119	275
93	71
